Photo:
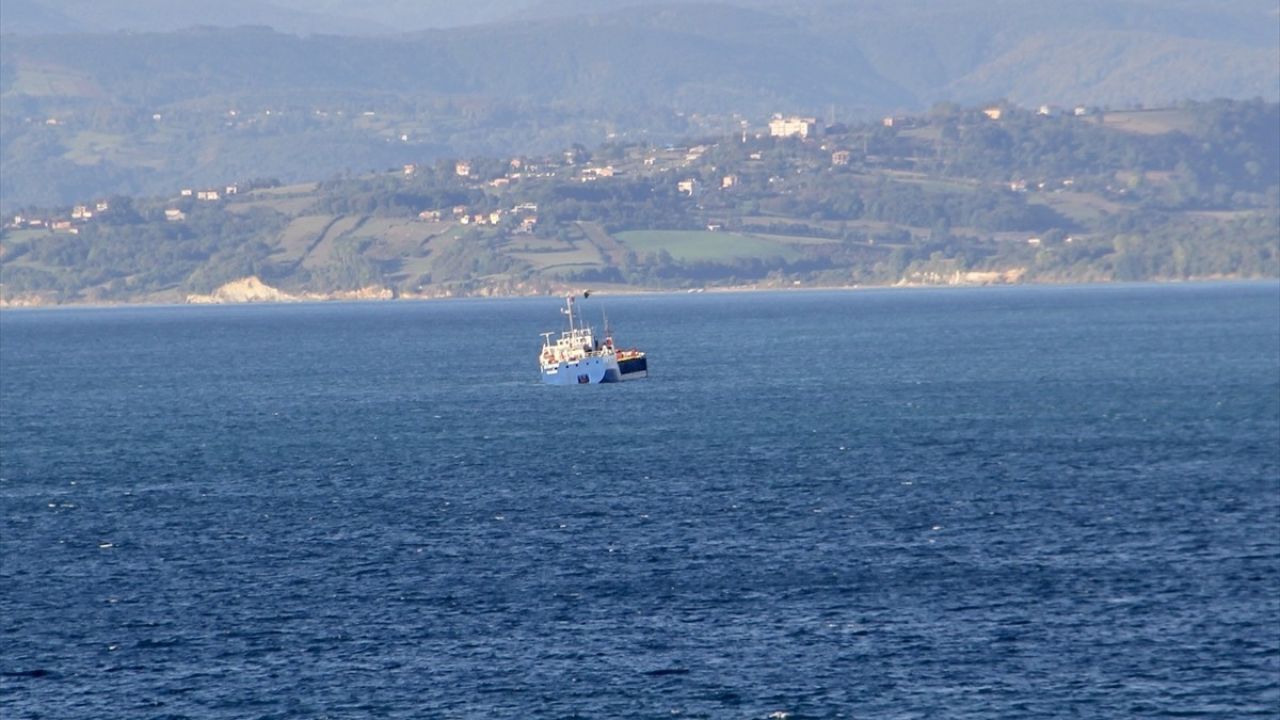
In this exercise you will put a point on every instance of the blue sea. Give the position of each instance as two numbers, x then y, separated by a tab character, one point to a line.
989	503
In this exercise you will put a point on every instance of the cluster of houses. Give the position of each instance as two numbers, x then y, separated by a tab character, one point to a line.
1022	186
174	214
212	194
574	162
526	215
995	112
80	214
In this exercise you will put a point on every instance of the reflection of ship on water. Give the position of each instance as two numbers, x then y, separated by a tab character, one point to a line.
578	357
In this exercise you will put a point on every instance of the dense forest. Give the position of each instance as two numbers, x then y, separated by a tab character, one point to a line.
958	195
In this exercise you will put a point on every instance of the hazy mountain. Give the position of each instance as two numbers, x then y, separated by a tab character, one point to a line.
871	54
555	73
415	15
1232	21
337	17
699	58
34	16
1091	51
77	16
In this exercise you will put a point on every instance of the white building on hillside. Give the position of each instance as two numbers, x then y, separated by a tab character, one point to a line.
801	127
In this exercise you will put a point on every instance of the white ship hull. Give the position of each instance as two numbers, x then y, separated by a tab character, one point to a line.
588	370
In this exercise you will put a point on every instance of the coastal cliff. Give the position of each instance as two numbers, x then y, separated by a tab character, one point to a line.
252	290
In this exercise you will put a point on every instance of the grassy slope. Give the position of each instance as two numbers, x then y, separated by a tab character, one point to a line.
705	245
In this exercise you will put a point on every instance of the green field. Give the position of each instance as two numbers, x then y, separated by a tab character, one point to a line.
394	230
289	206
299	235
799	240
322	252
695	245
90	148
50	80
296	189
17	237
587	256
1150	122
1080	207
933	182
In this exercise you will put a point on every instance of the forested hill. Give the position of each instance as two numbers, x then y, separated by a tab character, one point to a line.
138	112
987	194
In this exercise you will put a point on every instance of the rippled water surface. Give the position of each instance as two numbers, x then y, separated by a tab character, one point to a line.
894	504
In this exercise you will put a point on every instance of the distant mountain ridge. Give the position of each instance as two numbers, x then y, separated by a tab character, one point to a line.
43	17
563	72
870	54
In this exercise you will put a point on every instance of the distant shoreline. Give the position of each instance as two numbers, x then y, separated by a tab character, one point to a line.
606	291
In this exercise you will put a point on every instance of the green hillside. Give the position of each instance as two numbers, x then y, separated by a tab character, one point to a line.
955	197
